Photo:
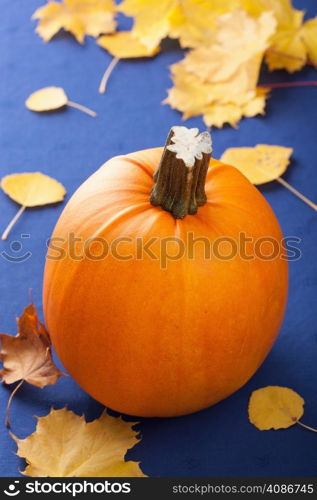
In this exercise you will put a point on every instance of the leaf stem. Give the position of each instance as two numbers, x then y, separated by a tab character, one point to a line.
306	426
7	421
88	111
12	222
279	85
106	75
297	193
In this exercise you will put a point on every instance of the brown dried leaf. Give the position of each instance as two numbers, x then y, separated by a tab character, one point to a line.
27	357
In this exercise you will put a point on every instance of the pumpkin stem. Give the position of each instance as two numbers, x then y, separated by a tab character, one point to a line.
179	181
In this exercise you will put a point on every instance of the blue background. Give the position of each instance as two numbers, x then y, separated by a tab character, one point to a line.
70	146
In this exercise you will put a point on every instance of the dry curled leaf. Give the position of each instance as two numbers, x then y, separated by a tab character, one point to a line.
125	45
51	98
260	164
80	17
27	357
31	189
192	21
64	445
275	407
219	81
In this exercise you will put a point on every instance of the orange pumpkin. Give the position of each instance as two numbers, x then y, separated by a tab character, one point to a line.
141	315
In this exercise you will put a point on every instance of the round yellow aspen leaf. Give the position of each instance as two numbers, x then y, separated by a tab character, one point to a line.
275	407
47	99
51	98
32	189
260	164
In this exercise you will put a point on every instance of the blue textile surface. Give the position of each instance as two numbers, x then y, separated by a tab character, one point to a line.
69	145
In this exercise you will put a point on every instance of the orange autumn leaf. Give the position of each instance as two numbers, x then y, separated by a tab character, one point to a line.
80	17
27	357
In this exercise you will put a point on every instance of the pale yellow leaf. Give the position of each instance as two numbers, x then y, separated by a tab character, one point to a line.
256	105
293	44
309	34
51	98
218	114
275	407
240	39
282	9
260	164
80	17
219	81
287	50
192	21
64	445
191	95
32	189
294	40
220	102
124	45
47	99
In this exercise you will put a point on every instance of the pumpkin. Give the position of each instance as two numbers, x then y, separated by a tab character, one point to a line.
152	304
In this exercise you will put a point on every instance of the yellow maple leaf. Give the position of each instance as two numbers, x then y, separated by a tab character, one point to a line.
218	114
219	81
294	42
280	8
309	35
275	407
80	17
64	445
239	39
260	164
192	21
124	45
288	50
51	98
31	189
219	103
